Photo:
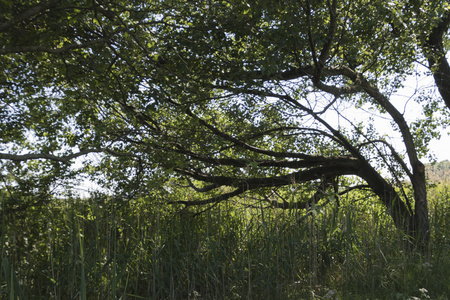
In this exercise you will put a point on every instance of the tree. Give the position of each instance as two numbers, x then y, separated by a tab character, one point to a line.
226	97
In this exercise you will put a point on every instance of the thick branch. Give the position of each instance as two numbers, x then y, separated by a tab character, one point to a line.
331	30
379	185
435	53
396	116
339	91
348	166
243	185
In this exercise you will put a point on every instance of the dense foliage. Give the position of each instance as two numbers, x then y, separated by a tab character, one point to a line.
246	96
273	104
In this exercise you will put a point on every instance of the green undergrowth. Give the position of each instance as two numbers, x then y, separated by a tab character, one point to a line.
143	249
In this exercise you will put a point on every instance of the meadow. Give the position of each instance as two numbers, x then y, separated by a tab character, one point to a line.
106	248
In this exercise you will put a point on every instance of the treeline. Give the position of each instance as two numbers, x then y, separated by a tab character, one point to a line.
439	172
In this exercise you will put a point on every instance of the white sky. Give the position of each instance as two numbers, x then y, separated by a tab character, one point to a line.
412	110
441	148
404	101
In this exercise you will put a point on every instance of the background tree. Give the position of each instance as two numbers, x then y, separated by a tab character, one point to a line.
226	97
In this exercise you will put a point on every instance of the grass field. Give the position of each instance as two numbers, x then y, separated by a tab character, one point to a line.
108	249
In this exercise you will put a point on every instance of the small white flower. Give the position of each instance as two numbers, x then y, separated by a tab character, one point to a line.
424	292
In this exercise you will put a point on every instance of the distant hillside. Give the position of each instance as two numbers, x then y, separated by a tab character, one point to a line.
439	172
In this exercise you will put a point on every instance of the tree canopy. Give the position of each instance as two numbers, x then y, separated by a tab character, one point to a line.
223	97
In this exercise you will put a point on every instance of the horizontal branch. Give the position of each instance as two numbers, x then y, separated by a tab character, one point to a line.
248	184
339	91
349	166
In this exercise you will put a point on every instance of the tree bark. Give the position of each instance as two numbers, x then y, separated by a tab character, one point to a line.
434	51
419	223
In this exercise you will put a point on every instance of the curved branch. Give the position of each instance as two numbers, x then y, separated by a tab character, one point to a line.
331	30
378	184
398	118
339	91
435	54
384	102
348	166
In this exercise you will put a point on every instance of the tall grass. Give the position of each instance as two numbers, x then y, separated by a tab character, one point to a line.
105	249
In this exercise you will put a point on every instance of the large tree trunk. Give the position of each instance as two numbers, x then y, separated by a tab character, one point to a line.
433	48
420	224
414	224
